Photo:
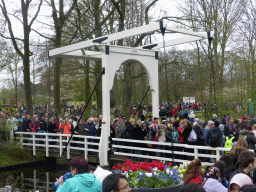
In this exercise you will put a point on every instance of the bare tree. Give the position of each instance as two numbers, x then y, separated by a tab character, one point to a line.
23	52
59	17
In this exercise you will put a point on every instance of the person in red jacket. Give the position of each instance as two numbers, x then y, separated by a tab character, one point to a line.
35	125
174	113
193	173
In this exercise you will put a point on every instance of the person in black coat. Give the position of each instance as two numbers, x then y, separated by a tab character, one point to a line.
185	133
214	138
43	125
215	130
52	126
199	132
187	129
25	125
229	127
139	133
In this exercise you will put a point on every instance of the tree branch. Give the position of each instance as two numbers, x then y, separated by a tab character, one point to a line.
70	10
137	76
117	7
54	12
10	37
37	12
4	11
147	22
42	35
102	22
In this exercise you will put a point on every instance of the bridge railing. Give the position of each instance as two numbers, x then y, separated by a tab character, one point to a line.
48	141
175	152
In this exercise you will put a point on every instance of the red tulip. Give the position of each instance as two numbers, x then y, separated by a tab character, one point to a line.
149	169
119	166
126	169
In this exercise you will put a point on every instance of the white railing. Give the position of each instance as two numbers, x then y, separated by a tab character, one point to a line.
52	140
195	148
59	141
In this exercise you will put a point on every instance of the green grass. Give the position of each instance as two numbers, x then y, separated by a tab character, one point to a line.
12	154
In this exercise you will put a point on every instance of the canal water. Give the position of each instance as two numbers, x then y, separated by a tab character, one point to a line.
36	177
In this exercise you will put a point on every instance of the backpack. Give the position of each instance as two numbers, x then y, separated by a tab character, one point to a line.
229	143
168	134
175	136
192	138
214	139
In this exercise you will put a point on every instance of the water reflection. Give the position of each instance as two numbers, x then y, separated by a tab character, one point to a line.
39	178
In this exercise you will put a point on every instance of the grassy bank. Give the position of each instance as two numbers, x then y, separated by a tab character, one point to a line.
12	154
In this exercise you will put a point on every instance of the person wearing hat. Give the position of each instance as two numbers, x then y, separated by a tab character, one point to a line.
212	183
81	179
238	181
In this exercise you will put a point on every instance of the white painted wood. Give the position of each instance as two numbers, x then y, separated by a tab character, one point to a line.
196	153
35	180
68	148
85	148
34	144
47	146
101	150
112	37
186	32
61	145
47	181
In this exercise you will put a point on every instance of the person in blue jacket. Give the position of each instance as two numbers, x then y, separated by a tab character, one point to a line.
81	179
90	132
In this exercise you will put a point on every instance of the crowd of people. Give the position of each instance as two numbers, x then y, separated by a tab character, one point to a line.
234	172
181	127
222	176
190	130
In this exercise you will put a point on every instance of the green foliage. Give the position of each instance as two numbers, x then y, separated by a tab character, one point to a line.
12	153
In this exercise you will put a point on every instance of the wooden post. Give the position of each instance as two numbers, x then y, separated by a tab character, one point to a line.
196	153
47	145
85	148
61	149
34	144
68	148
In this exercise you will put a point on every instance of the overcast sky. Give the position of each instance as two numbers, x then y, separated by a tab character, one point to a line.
168	7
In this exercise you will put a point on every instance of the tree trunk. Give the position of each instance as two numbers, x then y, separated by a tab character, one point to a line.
87	90
127	89
57	71
98	64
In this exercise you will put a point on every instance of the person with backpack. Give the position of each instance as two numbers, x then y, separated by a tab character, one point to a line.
214	138
248	136
199	132
229	142
185	133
